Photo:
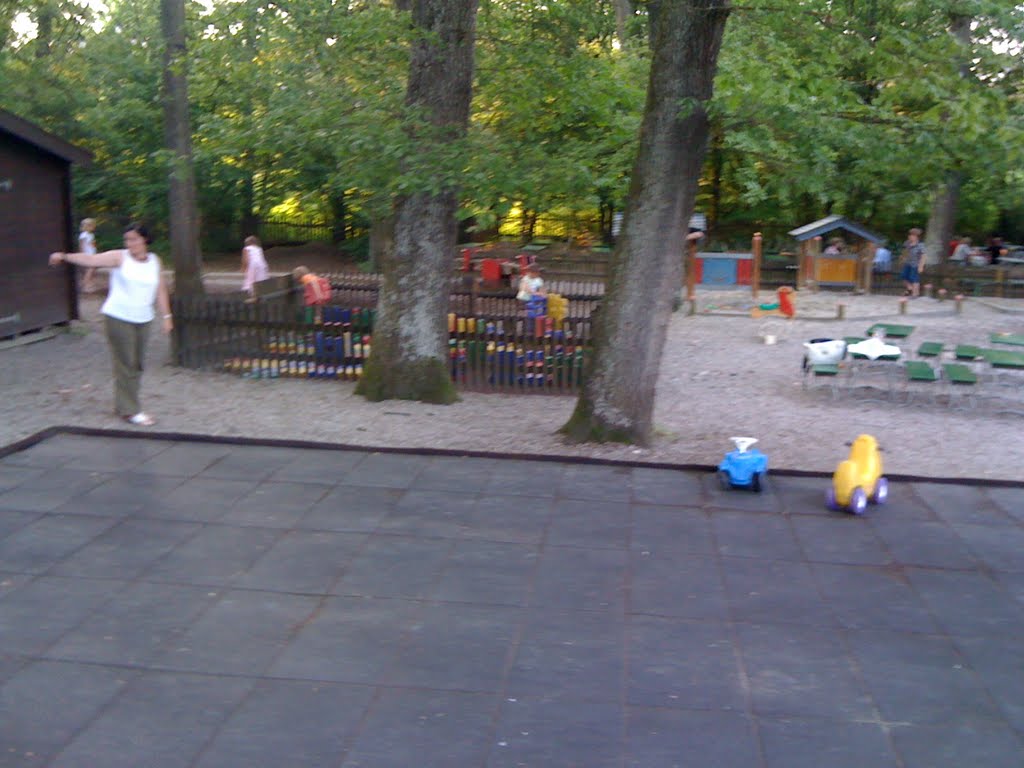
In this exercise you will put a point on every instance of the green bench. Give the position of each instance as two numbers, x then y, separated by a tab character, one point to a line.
827	371
963	380
1015	339
919	372
958	373
930	349
967	352
892	330
1003	358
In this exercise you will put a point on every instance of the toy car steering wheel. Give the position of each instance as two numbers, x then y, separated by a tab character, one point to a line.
743	443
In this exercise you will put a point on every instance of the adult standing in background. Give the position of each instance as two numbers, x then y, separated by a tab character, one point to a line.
136	283
87	245
962	253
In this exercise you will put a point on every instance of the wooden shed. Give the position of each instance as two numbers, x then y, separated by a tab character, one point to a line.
850	269
35	220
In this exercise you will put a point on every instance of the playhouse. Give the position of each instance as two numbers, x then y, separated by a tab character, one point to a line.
850	268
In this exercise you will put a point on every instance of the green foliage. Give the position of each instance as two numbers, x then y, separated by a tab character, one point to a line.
860	109
856	108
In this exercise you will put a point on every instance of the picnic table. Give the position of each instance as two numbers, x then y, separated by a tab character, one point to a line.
1015	339
871	356
891	330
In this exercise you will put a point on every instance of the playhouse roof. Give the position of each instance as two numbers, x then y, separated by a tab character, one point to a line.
832	223
33	134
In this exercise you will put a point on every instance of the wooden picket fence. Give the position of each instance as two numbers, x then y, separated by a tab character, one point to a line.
494	348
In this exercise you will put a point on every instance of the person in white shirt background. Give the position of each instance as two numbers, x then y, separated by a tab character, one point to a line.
87	245
531	285
136	283
254	264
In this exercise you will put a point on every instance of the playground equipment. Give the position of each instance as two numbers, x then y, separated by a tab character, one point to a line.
858	475
744	467
784	307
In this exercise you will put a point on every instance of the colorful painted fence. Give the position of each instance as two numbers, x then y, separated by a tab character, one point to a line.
280	338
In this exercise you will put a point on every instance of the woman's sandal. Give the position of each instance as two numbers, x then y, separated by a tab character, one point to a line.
140	419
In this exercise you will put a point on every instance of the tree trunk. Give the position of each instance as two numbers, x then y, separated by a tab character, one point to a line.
250	219
617	401
717	169
653	16
410	341
339	212
623	13
45	14
942	219
181	186
382	241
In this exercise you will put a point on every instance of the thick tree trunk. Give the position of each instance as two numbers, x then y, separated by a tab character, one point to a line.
410	340
617	401
181	184
942	219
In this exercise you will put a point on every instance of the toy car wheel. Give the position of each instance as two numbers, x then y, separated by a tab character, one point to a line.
757	482
881	491
858	501
724	480
830	499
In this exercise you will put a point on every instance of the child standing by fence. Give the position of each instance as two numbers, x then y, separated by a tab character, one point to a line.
254	264
87	245
316	291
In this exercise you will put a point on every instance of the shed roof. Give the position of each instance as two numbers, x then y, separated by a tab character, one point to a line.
832	223
33	134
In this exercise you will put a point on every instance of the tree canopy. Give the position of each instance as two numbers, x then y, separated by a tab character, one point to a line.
845	106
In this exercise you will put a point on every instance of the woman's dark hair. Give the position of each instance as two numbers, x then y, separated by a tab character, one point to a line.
140	228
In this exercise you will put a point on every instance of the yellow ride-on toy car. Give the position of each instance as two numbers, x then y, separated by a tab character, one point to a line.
859	479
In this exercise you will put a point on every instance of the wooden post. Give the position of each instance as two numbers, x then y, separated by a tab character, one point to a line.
691	270
1000	278
869	267
816	263
801	261
755	280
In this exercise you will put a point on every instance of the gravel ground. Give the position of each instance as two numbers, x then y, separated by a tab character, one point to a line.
718	379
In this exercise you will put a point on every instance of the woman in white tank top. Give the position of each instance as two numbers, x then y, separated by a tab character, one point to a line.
136	283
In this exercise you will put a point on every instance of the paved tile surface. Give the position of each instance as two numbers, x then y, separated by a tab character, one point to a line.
196	604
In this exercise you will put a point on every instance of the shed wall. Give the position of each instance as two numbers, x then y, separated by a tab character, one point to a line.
34	221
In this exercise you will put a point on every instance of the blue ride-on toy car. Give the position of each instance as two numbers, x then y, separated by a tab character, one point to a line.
744	467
